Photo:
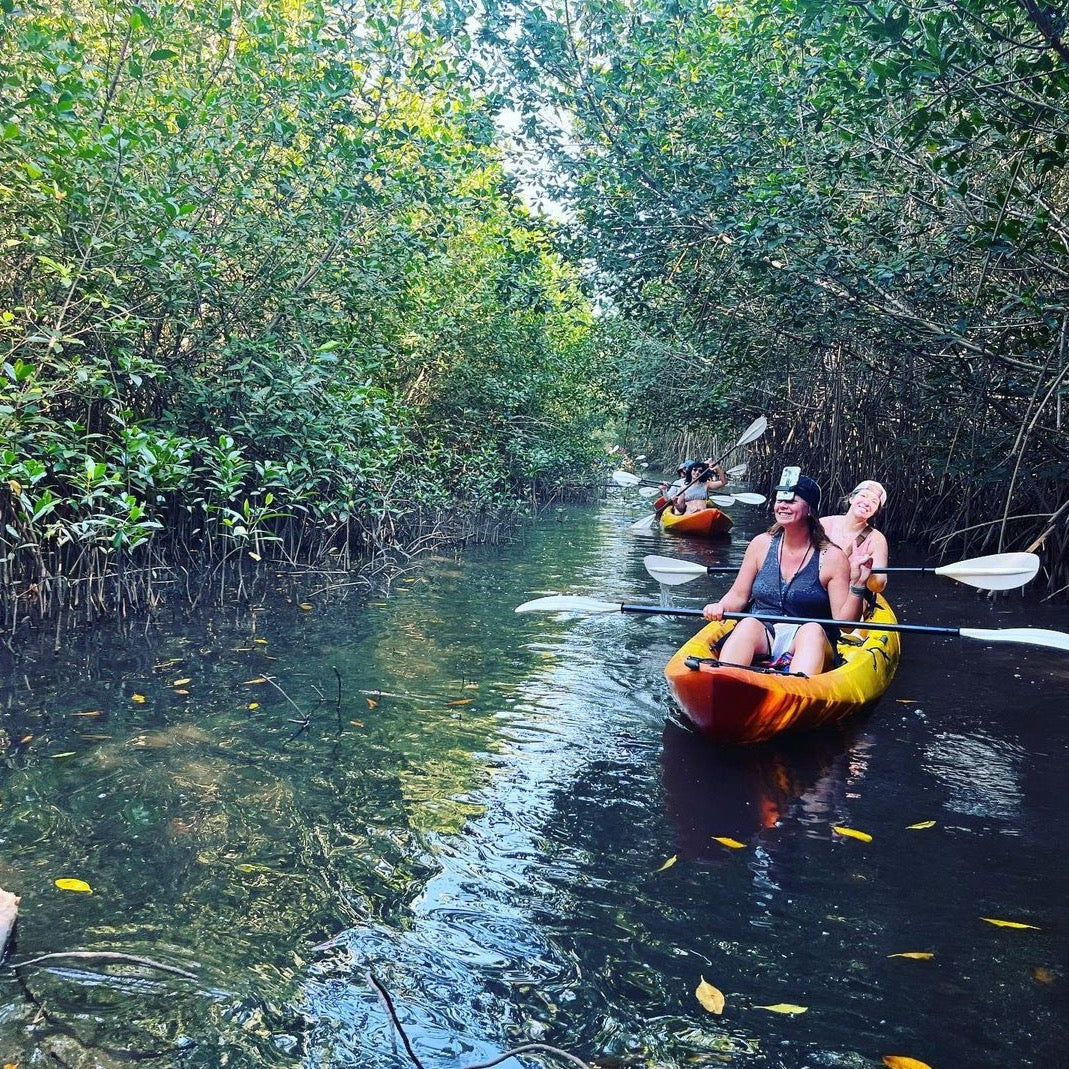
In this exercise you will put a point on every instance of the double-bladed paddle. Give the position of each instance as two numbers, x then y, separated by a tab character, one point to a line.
1034	636
751	434
999	571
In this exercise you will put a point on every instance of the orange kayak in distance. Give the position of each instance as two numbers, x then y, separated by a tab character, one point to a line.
737	704
710	521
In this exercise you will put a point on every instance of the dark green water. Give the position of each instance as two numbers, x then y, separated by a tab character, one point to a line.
482	817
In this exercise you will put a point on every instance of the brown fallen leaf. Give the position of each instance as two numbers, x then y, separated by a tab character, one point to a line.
371	703
710	997
461	701
357	723
1042	975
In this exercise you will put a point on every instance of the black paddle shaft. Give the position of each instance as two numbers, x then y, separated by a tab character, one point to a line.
920	629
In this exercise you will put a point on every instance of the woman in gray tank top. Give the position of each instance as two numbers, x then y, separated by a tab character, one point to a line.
792	570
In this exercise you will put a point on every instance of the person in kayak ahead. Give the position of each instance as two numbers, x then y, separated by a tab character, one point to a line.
703	477
853	531
791	570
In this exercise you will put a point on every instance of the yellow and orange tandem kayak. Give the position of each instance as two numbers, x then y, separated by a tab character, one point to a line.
710	521
734	704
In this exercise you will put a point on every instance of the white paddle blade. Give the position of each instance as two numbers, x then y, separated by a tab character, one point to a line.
753	432
751	499
567	603
647	523
1030	636
737	472
1000	571
625	478
722	501
670	571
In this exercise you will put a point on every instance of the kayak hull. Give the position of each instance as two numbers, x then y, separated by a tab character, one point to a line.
708	522
743	705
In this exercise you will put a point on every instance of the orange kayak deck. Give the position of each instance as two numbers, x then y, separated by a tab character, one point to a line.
741	705
710	521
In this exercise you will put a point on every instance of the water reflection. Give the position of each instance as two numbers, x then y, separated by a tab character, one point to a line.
739	792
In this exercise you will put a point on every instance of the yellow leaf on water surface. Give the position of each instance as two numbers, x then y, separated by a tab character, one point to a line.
669	863
461	701
1008	924
261	641
723	840
900	1061
307	606
253	705
70	884
357	723
783	1007
371	703
181	682
921	825
91	712
139	698
917	955
711	998
906	701
181	690
258	679
1042	975
25	739
853	833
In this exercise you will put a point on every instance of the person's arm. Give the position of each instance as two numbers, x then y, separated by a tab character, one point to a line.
738	597
877	546
846	580
717	478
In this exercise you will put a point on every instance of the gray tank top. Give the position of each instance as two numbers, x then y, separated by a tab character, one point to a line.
803	595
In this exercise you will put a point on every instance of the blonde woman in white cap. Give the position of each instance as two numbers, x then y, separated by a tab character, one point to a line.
853	533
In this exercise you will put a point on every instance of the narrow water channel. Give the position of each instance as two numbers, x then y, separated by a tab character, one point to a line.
480	808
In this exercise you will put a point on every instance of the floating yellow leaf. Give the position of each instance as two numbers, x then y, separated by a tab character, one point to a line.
307	606
853	833
258	679
25	739
261	641
783	1007
1008	924
461	701
900	1061
253	705
711	998
669	863
91	712
69	884
371	703
723	840
139	698
921	825
181	690
1042	975
181	682
918	955
357	723
906	701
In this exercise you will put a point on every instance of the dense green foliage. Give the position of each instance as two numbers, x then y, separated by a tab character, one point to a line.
850	217
262	274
